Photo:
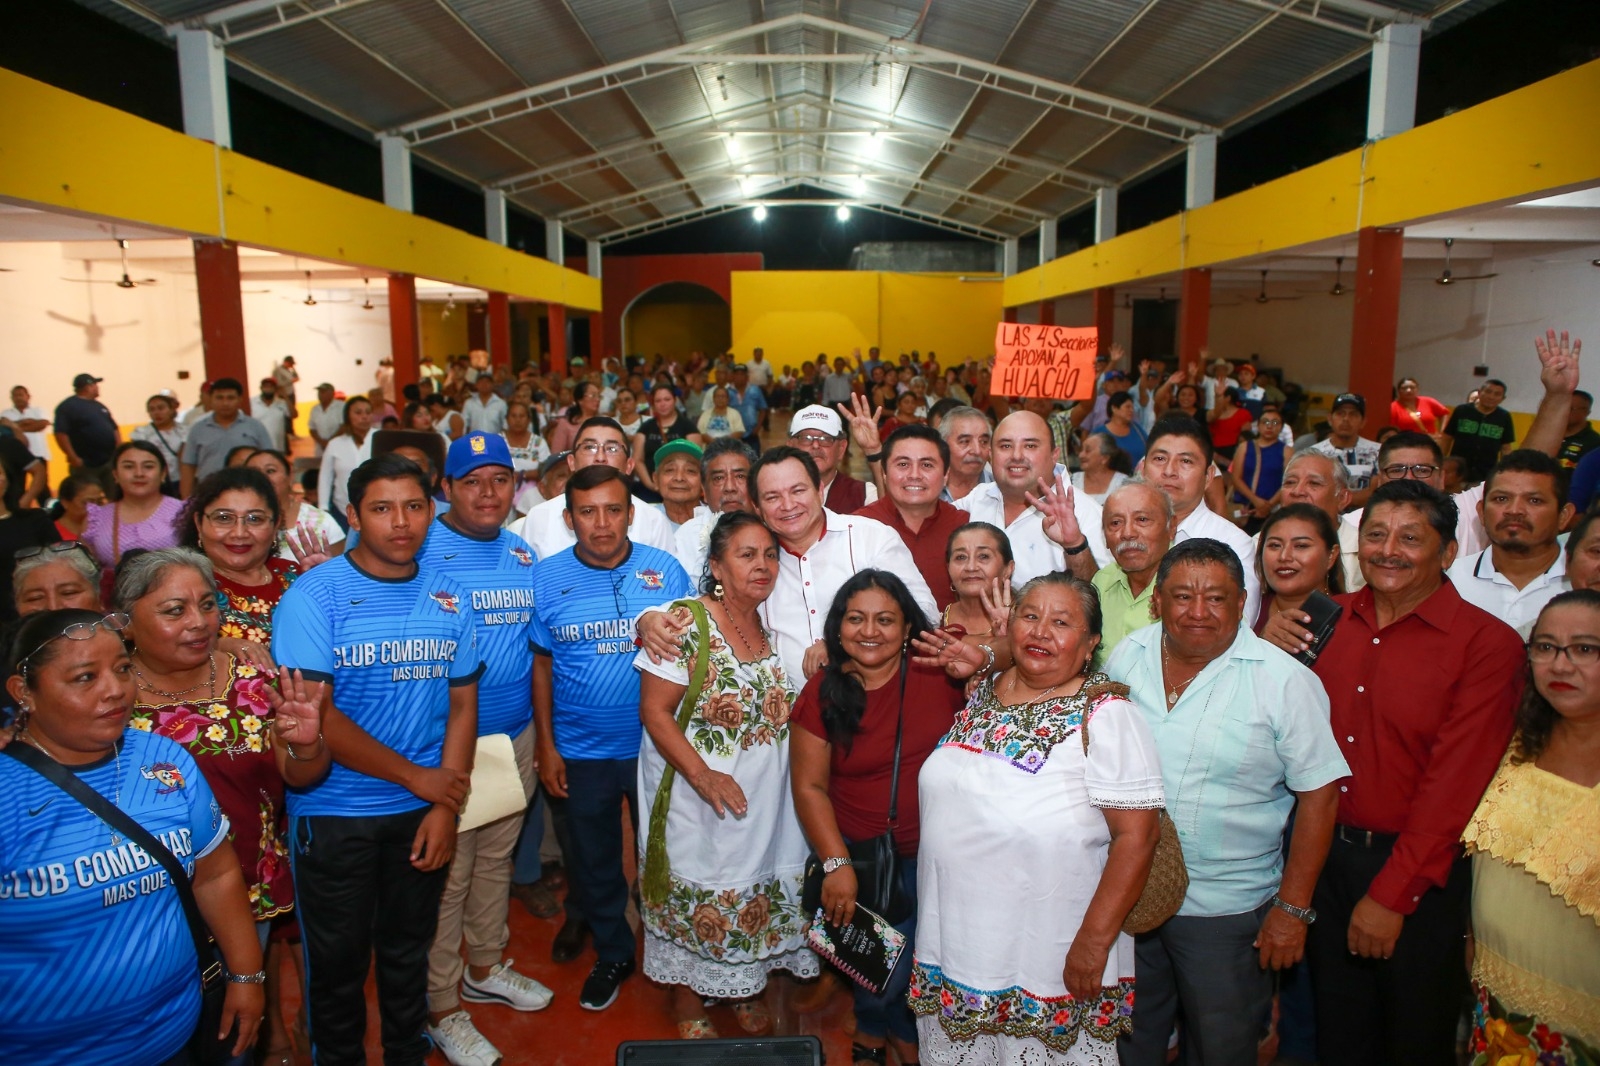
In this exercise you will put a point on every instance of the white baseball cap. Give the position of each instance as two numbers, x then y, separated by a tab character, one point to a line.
817	417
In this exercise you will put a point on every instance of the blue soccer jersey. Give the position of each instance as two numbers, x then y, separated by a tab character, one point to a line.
96	961
498	576
392	649
583	619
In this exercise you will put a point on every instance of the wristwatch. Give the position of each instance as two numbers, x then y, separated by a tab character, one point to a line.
1082	547
875	457
1305	914
257	978
830	865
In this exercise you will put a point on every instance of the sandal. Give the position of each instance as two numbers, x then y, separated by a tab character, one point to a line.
697	1029
753	1015
862	1053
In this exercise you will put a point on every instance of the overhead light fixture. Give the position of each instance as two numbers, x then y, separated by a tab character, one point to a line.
310	300
859	183
760	213
875	65
722	82
449	306
366	290
842	213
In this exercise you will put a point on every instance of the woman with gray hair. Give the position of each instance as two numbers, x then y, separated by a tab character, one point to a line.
55	577
212	703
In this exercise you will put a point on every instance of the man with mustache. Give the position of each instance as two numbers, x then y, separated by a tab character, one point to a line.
966	430
1138	524
724	481
1423	687
915	459
1524	566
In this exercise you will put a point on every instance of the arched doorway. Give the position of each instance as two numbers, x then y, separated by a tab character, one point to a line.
674	319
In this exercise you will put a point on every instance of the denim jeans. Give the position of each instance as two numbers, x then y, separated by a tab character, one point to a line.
596	791
890	1013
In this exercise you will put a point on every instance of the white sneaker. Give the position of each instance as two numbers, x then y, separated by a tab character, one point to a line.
508	988
461	1042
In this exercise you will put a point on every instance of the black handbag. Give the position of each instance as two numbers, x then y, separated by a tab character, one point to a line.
205	1049
874	860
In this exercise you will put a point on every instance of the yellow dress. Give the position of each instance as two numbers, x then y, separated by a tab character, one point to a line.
1535	847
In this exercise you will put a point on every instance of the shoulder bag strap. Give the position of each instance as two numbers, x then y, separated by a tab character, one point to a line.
123	823
899	731
654	881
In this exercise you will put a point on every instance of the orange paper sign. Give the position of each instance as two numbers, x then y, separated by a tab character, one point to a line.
1051	361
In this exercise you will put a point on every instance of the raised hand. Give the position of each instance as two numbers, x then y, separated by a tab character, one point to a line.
309	546
943	650
997	605
297	708
862	419
1060	520
1558	360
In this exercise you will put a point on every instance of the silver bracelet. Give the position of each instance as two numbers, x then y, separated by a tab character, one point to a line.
988	659
257	978
304	758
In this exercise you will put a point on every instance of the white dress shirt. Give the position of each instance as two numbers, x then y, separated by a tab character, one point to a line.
1481	585
38	440
339	460
325	421
803	594
1034	552
274	418
1204	522
546	530
484	417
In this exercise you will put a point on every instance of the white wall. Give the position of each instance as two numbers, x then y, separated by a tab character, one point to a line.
1444	330
139	339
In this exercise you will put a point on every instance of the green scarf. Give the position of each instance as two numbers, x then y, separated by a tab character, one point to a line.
655	881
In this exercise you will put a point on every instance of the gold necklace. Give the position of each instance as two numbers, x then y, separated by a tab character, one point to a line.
1176	690
1011	689
209	684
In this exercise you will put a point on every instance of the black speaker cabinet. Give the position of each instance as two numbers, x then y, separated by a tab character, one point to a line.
750	1051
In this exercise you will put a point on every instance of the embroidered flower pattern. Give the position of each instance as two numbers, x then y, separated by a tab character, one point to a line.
733	714
247	617
729	925
1054	1021
1501	1038
1023	735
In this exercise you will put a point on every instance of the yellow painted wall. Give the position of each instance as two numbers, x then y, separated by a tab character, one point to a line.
441	337
675	330
1534	141
797	314
58	150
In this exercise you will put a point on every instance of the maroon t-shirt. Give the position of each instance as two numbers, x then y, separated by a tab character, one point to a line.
858	781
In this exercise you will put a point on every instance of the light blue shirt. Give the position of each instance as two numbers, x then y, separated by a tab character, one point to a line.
1247	733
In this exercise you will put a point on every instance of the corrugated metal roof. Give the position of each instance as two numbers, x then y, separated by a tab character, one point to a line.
388	64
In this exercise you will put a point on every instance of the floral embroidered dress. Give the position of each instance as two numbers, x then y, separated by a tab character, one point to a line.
246	610
231	742
1013	845
1535	847
732	913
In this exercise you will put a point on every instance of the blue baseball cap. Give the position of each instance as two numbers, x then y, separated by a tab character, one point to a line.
473	450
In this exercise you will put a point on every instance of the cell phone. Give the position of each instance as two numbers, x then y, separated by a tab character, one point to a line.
1324	614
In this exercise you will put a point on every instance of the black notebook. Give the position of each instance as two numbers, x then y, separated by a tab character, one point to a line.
865	949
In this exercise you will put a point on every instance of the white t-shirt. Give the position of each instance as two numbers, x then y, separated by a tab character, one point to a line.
319	520
760	373
39	439
325	421
274	418
545	528
1360	460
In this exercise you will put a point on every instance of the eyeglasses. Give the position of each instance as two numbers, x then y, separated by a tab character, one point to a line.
594	447
1419	471
116	622
59	548
229	519
1543	651
812	439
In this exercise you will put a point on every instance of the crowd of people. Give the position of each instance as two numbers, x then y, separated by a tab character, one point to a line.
1032	653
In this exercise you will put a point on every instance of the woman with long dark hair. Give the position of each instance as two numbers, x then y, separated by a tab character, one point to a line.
841	764
1535	847
563	431
1297	554
140	515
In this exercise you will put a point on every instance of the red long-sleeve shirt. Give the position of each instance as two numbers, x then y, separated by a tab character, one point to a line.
1422	710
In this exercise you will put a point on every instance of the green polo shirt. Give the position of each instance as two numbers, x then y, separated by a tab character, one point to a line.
1121	612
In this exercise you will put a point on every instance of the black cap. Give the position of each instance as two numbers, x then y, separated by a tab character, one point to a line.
1350	399
85	379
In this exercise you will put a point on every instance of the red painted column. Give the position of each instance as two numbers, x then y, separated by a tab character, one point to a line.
216	269
499	329
1105	315
597	338
1376	317
405	339
1009	315
558	339
1194	315
1047	312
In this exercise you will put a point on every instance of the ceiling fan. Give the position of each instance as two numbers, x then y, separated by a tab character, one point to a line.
366	289
1338	277
1447	277
1263	298
125	281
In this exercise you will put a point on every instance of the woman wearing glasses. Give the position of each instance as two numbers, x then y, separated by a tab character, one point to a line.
233	518
1535	847
136	997
302	525
19	530
56	577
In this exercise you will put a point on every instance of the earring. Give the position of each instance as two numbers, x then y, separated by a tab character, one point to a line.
716	591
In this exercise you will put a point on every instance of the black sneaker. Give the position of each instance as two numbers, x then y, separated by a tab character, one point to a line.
600	987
